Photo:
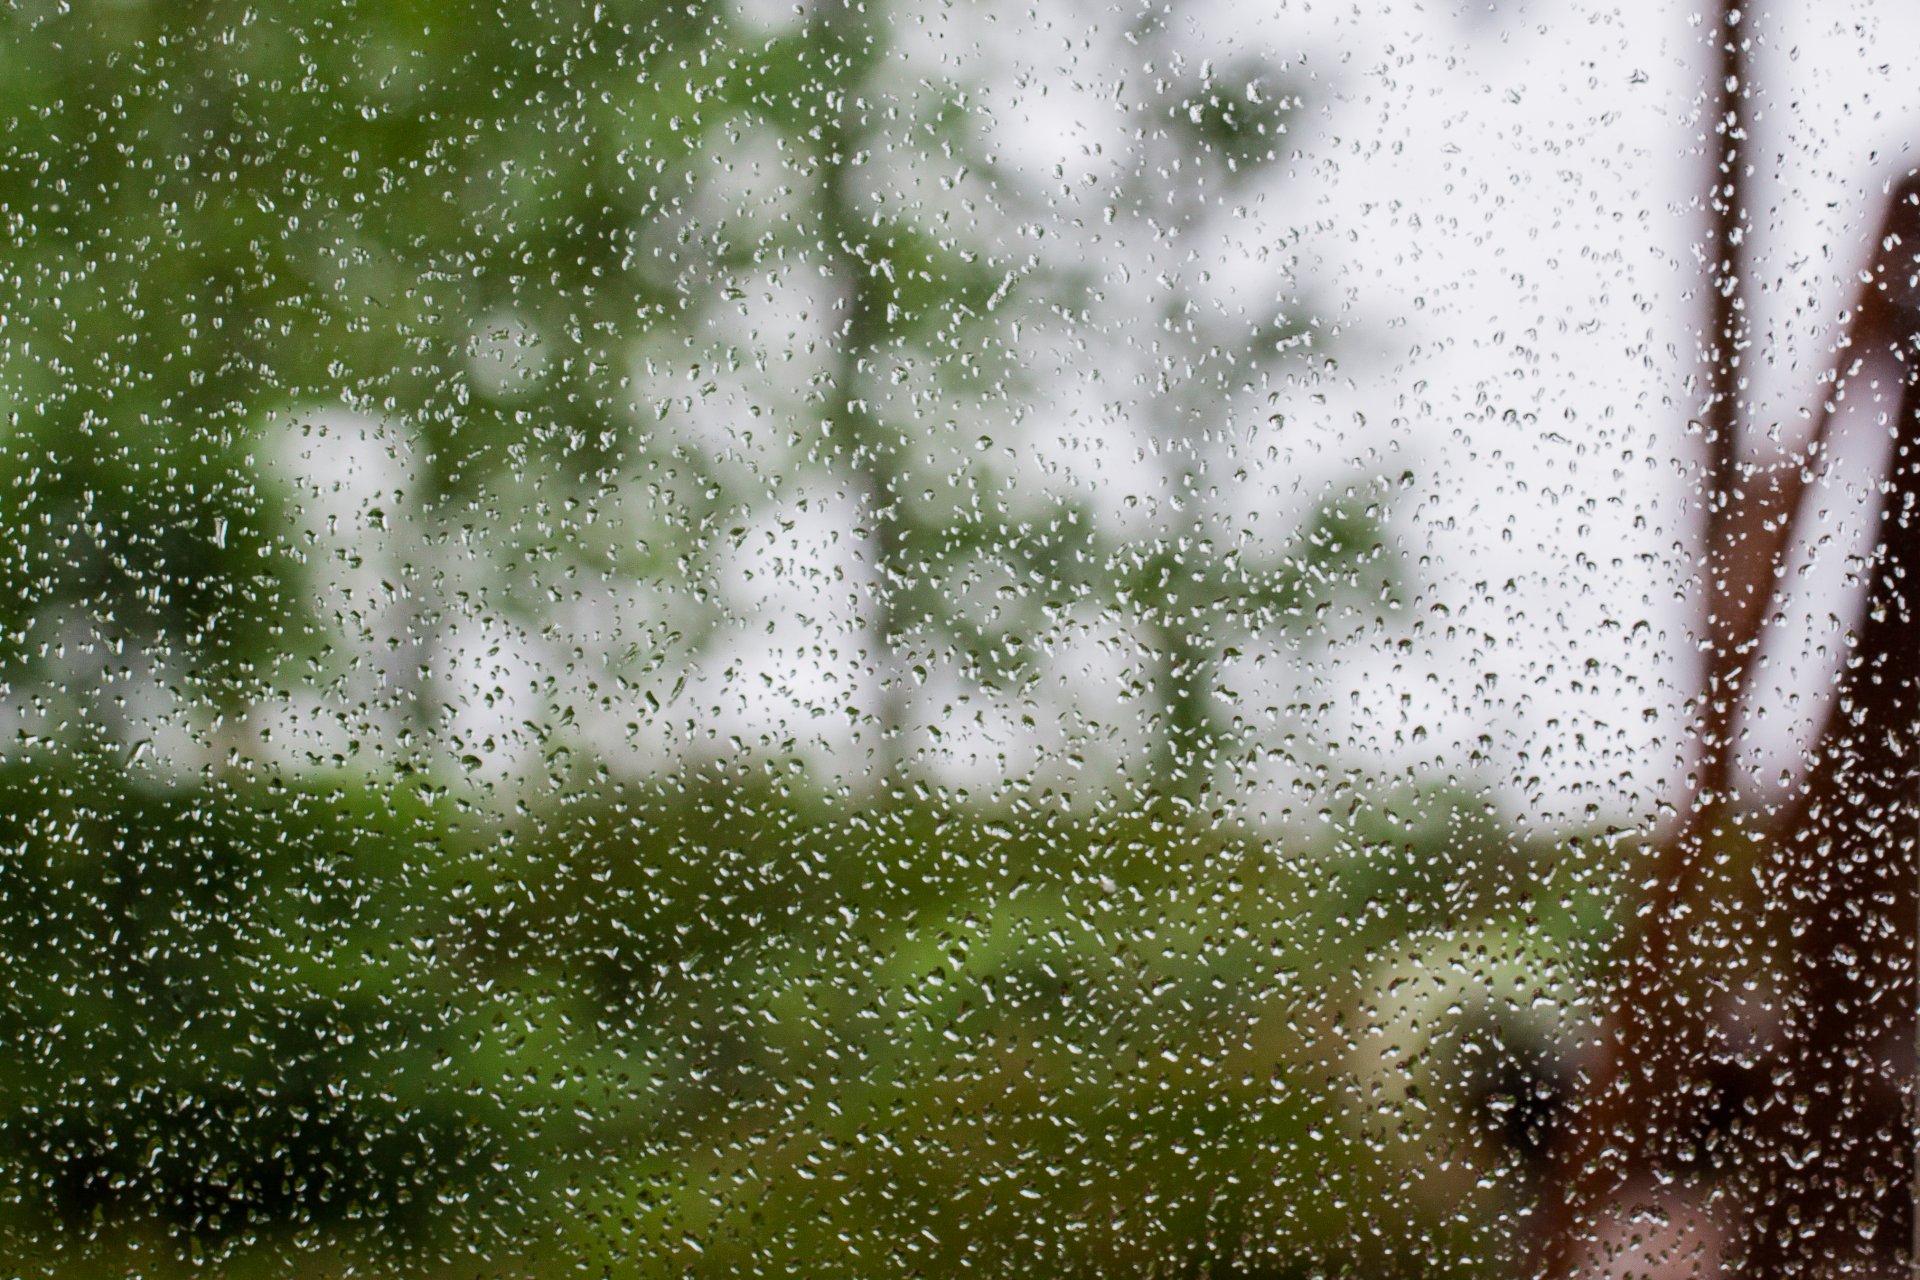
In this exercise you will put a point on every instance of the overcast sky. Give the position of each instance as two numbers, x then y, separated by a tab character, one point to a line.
1493	219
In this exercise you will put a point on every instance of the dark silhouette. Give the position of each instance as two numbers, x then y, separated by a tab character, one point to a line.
1717	1131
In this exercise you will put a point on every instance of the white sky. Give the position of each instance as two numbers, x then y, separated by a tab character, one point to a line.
1493	216
1504	205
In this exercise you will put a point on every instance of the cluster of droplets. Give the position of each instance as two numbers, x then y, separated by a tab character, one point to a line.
661	639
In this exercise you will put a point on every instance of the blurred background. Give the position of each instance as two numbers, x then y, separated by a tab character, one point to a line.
867	639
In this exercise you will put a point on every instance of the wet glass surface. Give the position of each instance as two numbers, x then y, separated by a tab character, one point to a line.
869	639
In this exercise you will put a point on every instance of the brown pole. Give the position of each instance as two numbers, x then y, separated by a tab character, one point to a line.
1635	1116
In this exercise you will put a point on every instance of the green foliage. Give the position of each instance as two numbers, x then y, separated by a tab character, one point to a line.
380	1001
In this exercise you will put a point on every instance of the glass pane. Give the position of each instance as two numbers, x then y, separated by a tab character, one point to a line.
872	639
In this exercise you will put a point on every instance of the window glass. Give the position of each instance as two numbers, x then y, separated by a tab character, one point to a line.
905	638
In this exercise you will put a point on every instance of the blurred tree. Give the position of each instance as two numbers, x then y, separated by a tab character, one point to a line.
303	1002
230	220
1210	137
231	228
922	294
